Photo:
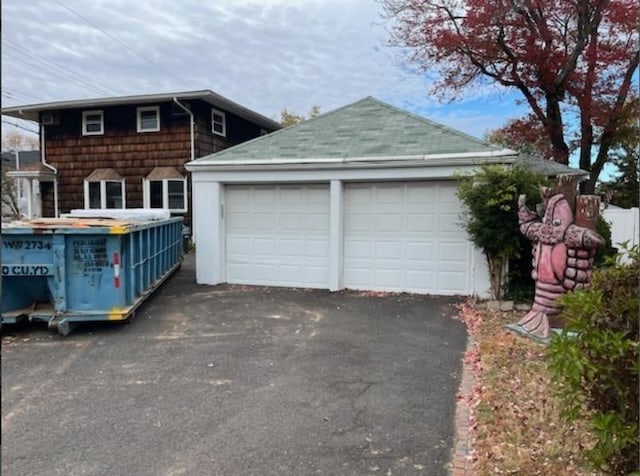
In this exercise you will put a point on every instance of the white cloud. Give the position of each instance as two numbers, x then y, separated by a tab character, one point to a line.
264	54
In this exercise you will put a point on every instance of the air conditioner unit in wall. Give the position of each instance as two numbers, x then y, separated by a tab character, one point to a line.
48	119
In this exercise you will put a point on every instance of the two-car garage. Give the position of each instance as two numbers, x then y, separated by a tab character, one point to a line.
363	197
395	236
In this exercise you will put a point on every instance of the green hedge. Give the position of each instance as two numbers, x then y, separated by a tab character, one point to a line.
595	359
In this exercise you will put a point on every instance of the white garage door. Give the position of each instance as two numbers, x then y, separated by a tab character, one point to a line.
277	235
405	237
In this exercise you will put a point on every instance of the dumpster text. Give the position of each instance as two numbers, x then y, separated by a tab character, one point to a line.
27	244
92	256
26	270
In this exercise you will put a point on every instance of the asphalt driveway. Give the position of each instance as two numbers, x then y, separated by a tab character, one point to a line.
238	381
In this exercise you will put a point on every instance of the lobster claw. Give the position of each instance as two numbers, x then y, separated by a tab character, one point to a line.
591	239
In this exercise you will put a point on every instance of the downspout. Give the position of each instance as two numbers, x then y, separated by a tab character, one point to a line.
50	167
193	149
188	111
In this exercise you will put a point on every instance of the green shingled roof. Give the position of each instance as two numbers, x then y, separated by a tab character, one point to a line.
367	128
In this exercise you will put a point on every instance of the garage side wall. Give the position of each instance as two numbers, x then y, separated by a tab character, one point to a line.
208	231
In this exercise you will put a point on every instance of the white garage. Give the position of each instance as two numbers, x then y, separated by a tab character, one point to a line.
361	198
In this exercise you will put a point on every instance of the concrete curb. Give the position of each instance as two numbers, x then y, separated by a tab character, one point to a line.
462	457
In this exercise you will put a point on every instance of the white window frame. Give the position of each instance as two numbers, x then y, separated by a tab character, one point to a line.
103	194
139	112
223	123
146	186
85	114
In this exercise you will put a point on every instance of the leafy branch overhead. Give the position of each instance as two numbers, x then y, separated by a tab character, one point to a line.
570	62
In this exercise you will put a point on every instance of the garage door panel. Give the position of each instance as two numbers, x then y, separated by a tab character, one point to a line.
317	249
263	246
449	223
355	249
238	221
418	280
290	221
239	246
264	221
358	277
291	247
422	251
388	279
420	222
358	222
389	195
388	222
263	198
413	238
418	195
317	222
389	250
277	235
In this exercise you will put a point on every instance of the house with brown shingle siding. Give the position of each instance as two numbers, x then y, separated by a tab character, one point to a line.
130	151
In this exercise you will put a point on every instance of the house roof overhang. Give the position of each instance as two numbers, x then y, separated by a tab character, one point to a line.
32	112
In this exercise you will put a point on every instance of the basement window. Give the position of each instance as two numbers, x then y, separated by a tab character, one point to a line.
148	119
92	123
219	122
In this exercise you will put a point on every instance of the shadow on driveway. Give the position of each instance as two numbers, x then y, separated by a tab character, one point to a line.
233	380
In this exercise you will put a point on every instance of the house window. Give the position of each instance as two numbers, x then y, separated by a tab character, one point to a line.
104	188
165	188
218	122
148	119
92	123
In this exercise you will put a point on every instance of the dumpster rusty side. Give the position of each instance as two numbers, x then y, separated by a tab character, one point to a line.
65	271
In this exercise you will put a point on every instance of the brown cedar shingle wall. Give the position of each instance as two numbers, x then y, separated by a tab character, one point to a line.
133	155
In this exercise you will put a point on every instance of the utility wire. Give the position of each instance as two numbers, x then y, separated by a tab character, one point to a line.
66	69
12	93
68	77
20	127
123	44
28	58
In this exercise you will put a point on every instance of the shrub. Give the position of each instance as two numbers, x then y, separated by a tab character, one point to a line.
604	230
595	359
490	216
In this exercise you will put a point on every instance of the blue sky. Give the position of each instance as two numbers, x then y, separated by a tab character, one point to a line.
264	54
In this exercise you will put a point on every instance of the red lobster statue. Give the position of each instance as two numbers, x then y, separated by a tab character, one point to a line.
562	255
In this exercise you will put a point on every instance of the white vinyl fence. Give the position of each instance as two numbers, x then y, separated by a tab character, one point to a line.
624	225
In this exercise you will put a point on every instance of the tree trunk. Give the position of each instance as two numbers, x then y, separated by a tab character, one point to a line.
555	129
496	266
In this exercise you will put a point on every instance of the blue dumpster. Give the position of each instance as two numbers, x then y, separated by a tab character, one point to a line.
69	270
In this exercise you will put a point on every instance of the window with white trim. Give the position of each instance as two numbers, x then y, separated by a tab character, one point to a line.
104	188
92	123
218	122
148	119
167	193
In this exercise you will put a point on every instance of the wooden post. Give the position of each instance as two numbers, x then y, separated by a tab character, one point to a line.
587	211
